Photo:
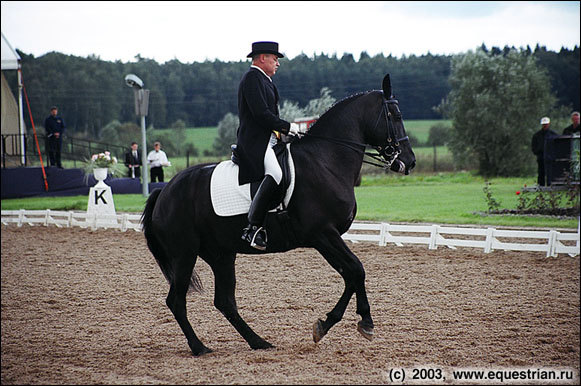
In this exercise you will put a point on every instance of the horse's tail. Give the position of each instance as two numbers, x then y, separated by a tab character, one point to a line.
156	248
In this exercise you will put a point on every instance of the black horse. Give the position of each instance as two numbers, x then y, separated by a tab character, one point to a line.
180	224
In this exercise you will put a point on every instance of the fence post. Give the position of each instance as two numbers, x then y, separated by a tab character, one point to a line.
382	234
578	243
435	159
433	237
489	237
20	217
46	217
124	222
552	247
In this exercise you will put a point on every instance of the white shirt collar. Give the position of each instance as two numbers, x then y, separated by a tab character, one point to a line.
261	70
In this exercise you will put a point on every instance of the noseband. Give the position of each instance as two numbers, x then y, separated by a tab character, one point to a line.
391	150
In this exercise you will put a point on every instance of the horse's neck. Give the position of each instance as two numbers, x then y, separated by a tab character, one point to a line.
335	143
342	122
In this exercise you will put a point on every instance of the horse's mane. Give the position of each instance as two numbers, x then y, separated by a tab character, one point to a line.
337	106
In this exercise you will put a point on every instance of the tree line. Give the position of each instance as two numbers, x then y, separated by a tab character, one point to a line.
91	93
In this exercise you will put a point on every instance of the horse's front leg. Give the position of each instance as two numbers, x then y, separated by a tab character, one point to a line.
225	301
336	252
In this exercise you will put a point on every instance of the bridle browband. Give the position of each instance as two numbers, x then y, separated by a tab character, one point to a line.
386	155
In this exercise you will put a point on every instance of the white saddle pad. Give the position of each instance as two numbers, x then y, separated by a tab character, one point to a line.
231	199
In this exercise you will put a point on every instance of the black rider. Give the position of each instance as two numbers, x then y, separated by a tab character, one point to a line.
259	120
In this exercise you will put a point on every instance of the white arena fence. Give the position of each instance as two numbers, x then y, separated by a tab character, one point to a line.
69	219
551	242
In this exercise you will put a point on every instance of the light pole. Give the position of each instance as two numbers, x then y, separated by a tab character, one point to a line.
141	108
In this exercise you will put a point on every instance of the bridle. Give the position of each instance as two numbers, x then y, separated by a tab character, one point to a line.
387	154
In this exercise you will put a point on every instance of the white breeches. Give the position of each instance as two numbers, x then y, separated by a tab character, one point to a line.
271	165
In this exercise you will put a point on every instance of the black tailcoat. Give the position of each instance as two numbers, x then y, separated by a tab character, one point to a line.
131	160
259	117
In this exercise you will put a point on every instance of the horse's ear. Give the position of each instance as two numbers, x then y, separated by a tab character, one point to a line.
387	87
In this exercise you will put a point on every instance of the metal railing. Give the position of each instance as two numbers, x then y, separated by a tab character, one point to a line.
73	149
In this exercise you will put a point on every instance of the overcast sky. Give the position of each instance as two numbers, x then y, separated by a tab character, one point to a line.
198	31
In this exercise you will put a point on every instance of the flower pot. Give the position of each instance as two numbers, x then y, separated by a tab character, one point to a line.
100	175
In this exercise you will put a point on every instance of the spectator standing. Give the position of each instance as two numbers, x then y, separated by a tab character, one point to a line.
574	126
55	129
157	159
538	148
133	161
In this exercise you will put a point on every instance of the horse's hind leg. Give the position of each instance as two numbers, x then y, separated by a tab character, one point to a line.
176	301
225	301
334	250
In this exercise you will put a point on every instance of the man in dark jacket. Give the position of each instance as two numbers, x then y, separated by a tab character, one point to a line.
55	129
133	161
259	120
574	127
538	147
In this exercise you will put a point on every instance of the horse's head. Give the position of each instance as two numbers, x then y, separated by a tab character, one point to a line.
391	140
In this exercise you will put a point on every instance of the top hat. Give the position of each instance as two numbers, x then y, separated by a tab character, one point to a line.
265	48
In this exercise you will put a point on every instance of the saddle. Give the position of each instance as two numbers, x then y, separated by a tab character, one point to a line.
230	199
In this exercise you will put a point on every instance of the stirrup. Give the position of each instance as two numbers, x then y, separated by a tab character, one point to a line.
254	235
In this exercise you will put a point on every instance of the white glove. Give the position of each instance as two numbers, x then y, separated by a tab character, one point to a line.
294	129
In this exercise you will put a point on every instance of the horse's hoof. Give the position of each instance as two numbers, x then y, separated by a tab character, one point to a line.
367	332
204	350
318	331
262	346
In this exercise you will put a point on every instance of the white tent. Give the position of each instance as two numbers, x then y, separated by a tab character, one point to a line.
10	58
12	116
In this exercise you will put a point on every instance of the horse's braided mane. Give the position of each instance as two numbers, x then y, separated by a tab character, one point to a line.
343	101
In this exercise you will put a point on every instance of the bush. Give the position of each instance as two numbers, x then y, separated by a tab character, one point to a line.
495	104
227	128
439	135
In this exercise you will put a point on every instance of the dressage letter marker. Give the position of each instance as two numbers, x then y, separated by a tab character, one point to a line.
99	196
101	208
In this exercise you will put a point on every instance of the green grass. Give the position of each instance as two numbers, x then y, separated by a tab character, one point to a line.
421	128
123	203
201	137
429	151
444	198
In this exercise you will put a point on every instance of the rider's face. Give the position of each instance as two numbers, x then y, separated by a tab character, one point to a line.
270	63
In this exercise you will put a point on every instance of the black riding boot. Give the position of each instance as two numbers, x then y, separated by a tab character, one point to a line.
255	233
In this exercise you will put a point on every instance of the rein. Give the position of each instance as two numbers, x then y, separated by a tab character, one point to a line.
386	155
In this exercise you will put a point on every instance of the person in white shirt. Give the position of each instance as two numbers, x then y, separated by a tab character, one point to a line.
157	159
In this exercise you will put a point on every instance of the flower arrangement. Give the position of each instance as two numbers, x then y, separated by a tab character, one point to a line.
102	160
